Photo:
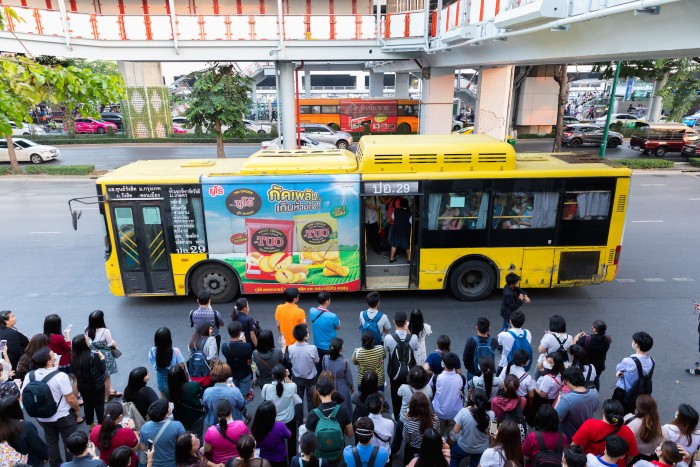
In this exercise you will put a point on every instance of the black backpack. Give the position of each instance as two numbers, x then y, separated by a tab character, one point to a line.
372	457
548	457
401	359
518	417
37	396
643	384
561	350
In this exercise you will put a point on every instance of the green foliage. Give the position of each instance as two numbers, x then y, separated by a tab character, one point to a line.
681	89
646	163
5	169
694	161
43	169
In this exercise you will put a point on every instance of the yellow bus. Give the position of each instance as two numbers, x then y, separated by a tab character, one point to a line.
304	218
382	115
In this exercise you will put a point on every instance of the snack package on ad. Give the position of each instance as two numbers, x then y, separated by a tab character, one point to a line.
317	238
269	248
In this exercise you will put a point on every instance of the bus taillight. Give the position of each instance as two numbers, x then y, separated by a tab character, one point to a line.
617	254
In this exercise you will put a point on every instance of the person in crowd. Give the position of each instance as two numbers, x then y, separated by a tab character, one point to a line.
288	315
554	340
449	393
7	386
241	313
645	425
59	341
478	346
507	339
222	390
596	344
308	445
546	433
83	451
508	398
488	381
20	433
579	359
266	357
668	455
246	454
419	418
187	452
683	430
365	454
517	367
114	432
383	427
89	369
337	365
120	457
162	432
400	233
550	384
576	406
368	387
401	361
513	299
470	434
204	342
627	372
138	392
434	452
372	224
592	433
239	356
418	380
38	341
16	341
63	422
374	320
101	340
614	453
164	356
574	457
270	435
283	394
324	325
205	313
186	397
418	327
369	358
506	446
433	362
220	439
303	357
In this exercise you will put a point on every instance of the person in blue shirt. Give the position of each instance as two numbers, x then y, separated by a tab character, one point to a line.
365	454
626	371
324	326
163	444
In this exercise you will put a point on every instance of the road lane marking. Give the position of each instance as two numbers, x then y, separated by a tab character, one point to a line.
22	194
694	199
42	233
684	279
647	222
625	280
654	279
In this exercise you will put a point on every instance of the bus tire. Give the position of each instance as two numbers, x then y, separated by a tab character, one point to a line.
472	280
334	126
216	279
404	129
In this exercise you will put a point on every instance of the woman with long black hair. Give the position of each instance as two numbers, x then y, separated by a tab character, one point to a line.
21	434
283	393
337	365
203	341
138	392
419	418
89	370
421	329
114	433
266	356
59	341
270	435
186	397
434	452
38	341
307	445
246	454
488	381
505	448
101	339
164	356
220	439
470	436
368	386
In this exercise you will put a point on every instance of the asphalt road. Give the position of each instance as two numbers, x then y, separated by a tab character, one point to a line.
47	267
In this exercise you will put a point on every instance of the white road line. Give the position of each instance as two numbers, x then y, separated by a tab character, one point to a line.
22	194
654	279
694	199
684	279
653	184
59	293
647	222
41	233
31	295
625	280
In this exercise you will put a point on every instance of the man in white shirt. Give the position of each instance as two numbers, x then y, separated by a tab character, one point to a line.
506	339
383	427
63	422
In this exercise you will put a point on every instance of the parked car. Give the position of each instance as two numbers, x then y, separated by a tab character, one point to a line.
325	134
306	143
178	130
113	117
691	149
26	130
181	120
581	134
28	151
627	120
692	120
257	127
90	125
660	138
457	125
570	120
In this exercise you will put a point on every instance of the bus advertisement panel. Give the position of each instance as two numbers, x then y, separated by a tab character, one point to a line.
381	115
278	232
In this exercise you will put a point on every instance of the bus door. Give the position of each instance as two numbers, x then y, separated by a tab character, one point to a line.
142	249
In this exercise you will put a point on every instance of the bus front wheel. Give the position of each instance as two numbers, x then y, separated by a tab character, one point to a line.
472	280
216	279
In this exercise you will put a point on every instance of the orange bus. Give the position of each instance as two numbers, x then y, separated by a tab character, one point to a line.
382	115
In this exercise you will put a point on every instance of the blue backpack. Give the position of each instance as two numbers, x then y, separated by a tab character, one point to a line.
372	325
483	349
520	343
197	364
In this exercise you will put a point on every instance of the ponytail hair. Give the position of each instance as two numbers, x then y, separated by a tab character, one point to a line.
246	449
279	372
487	367
308	445
511	384
223	408
241	303
480	414
336	346
109	428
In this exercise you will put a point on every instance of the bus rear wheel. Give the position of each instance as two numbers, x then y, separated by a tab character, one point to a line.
404	129
216	279
472	280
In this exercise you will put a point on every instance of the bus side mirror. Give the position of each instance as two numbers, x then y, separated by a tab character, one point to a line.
75	215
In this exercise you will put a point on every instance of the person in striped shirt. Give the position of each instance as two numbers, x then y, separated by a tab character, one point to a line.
369	357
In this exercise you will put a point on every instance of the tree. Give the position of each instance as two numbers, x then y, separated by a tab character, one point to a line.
219	98
26	83
561	77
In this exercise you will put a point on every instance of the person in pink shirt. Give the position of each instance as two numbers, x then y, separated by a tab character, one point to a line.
220	439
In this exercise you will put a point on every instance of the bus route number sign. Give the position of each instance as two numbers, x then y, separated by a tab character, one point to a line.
390	188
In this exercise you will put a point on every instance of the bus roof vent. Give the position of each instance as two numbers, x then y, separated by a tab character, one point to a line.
422	158
282	161
457	159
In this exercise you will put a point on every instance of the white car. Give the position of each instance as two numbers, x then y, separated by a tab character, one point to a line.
26	130
28	151
257	127
627	120
306	143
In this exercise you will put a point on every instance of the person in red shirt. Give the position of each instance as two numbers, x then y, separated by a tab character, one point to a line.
59	341
115	432
547	428
593	433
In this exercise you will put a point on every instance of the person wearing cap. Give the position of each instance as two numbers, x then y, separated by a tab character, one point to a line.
365	454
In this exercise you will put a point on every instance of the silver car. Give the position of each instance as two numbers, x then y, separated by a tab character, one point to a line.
580	134
326	134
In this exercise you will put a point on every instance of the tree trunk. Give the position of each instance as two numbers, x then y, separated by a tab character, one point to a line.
657	101
561	77
11	152
219	140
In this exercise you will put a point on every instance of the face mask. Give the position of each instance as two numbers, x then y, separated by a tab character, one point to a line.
547	365
633	347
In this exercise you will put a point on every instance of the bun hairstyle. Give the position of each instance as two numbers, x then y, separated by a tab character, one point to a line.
336	346
613	412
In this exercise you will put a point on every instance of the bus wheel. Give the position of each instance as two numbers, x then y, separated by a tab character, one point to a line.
472	280
404	129
216	279
334	126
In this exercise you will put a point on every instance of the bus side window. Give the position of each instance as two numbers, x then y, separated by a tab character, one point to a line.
525	210
586	205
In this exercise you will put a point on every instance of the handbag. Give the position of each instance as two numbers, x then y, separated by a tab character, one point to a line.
116	353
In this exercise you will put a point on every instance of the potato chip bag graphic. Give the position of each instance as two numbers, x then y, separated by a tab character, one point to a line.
317	239
269	247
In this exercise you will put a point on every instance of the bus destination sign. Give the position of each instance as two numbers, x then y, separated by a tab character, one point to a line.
390	188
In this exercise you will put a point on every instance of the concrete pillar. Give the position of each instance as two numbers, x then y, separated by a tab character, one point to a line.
436	101
307	84
494	101
401	85
287	104
376	84
145	110
141	73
